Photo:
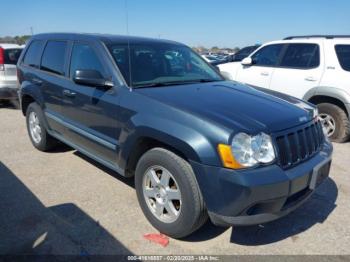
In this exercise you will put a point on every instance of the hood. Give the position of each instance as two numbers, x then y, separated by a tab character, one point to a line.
234	105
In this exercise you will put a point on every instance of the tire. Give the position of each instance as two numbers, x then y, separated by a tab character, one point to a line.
192	212
46	142
342	124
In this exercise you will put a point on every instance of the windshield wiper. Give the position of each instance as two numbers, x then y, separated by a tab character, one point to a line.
206	80
160	84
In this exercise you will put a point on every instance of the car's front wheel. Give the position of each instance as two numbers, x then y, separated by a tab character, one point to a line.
168	193
335	122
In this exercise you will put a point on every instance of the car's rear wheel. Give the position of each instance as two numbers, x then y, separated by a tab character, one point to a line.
168	193
38	134
335	122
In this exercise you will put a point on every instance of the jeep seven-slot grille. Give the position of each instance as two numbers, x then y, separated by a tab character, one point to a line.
299	145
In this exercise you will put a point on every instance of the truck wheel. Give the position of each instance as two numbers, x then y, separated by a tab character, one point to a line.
168	193
36	129
335	122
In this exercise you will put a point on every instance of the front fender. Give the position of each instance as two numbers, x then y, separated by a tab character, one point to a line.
328	91
192	144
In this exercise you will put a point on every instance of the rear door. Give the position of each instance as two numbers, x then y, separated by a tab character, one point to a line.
52	78
300	69
260	72
91	113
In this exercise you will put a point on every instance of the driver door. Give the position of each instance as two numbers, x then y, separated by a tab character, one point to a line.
259	73
90	113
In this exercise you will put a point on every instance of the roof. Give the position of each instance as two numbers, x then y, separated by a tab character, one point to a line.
107	38
9	46
317	36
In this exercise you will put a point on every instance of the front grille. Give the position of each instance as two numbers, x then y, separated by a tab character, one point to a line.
299	145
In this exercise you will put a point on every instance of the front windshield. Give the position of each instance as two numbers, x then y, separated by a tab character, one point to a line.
155	64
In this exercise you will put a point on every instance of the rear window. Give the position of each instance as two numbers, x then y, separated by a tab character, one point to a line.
301	56
12	55
343	53
54	57
32	57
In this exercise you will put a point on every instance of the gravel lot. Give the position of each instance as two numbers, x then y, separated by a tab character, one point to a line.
64	203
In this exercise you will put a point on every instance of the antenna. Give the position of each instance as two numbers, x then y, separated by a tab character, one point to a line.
128	37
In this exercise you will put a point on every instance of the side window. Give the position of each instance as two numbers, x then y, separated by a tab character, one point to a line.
268	55
84	58
303	56
54	57
343	53
33	54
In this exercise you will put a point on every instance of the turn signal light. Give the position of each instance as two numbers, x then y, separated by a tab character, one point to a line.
227	157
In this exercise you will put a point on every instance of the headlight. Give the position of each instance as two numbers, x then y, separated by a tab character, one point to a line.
251	150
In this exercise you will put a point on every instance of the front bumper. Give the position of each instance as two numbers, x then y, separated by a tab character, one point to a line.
260	195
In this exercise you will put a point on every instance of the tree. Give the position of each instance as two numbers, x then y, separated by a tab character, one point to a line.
20	40
215	49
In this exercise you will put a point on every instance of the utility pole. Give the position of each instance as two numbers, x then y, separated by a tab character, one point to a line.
31	30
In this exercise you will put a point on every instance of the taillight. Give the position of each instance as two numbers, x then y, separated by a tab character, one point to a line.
2	59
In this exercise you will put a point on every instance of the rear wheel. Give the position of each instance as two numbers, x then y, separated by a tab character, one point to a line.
36	129
168	193
335	122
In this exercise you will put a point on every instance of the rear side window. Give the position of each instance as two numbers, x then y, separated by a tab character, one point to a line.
54	57
268	55
301	56
33	54
343	53
84	58
12	55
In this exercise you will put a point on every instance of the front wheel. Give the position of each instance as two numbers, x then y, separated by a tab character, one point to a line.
335	122
168	193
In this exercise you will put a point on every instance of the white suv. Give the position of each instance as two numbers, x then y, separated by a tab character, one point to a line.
9	54
313	68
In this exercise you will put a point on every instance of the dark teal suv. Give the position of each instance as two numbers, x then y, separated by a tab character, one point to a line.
153	109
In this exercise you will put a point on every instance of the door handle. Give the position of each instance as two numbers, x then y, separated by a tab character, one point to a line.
310	78
37	82
68	93
264	73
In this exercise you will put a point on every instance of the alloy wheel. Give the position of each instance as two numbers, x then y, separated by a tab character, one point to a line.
162	194
328	123
34	127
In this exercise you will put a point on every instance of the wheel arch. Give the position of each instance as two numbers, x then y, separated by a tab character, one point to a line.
189	146
327	94
318	99
29	94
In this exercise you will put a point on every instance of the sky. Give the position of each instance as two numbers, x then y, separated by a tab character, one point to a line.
223	23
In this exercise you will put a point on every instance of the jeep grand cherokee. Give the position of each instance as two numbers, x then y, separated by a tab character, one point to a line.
153	109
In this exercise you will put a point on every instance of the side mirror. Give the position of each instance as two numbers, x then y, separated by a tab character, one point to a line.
91	78
247	61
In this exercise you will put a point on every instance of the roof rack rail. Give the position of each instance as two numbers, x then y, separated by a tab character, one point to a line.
317	36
